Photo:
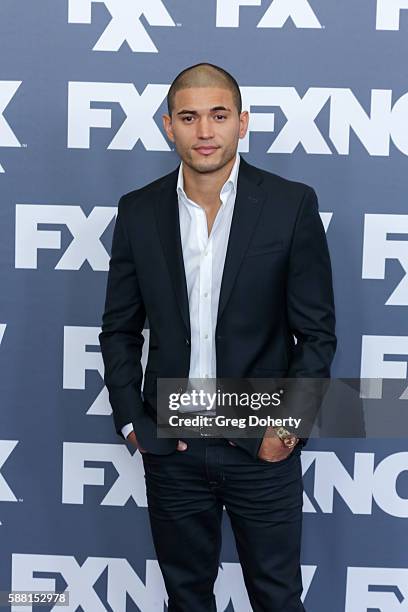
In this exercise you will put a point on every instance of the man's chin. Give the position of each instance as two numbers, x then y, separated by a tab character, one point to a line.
205	168
206	165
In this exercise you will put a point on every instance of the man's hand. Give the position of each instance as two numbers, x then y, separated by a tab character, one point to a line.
181	446
133	440
273	448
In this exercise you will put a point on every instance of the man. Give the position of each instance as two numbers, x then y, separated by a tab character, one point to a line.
230	265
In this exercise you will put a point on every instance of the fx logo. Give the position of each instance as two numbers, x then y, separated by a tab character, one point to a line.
125	24
76	476
377	588
6	448
86	232
385	238
78	360
376	363
7	136
388	14
277	14
2	331
138	108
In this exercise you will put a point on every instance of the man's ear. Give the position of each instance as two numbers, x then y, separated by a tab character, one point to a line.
243	123
168	128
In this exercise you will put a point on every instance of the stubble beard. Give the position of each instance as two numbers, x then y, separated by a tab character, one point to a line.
208	165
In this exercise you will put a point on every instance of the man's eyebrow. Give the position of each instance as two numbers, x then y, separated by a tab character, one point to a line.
185	111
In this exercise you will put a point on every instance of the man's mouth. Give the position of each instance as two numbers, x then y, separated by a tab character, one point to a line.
206	150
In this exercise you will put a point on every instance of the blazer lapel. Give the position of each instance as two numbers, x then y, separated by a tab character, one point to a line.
168	223
248	205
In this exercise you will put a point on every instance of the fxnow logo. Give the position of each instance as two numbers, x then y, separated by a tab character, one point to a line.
348	119
101	583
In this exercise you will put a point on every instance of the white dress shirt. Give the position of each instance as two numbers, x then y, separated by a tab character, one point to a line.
204	257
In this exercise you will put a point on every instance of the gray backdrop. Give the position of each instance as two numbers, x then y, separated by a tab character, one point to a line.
82	90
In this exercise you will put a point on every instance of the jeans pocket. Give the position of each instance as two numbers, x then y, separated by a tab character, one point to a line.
295	451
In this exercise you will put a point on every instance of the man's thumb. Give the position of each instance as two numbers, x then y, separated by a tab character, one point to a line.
181	445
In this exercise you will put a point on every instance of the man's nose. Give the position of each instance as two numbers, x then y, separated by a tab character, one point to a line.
204	129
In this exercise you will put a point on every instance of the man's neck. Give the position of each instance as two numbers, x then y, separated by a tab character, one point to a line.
204	187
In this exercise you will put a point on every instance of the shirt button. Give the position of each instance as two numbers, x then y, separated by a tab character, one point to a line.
206	336
205	294
205	375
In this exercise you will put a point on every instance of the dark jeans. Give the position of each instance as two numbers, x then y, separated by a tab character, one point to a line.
186	491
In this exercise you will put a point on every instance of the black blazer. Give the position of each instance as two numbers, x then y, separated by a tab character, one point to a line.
276	284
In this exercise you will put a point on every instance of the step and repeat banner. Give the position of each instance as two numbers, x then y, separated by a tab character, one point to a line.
83	85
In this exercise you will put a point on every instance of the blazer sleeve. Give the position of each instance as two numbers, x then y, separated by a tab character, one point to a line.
310	301
121	338
311	315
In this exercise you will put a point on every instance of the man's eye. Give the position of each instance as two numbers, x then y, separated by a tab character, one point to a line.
187	119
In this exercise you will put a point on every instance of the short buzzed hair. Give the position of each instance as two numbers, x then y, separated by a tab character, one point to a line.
204	75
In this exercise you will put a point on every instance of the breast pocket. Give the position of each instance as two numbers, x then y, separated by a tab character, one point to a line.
265	248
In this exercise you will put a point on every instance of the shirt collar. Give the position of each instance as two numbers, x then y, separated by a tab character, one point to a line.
231	181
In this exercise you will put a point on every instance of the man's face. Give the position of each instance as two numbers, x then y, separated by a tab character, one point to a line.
205	127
